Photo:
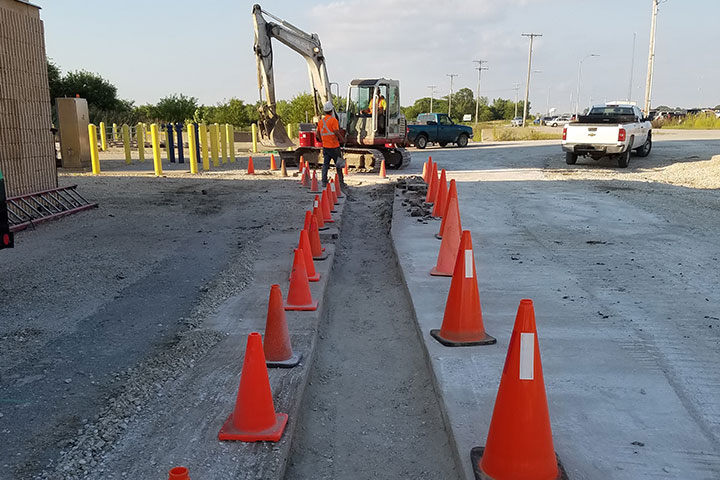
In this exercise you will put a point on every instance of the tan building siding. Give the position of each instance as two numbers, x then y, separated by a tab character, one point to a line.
27	150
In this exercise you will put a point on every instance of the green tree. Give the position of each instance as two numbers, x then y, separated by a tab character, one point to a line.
98	91
54	81
463	102
175	108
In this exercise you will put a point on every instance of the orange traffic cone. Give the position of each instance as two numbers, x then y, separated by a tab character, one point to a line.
382	169
432	185
254	418
325	208
338	190
283	169
304	245
345	168
451	197
251	167
519	442
276	344
333	192
299	296
305	178
312	228
314	188
450	243
179	473
317	212
330	197
429	169
462	323
439	203
273	166
424	174
301	165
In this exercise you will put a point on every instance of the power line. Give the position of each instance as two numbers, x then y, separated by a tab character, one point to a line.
527	84
479	68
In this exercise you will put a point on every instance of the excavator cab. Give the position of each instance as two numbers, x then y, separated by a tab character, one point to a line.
372	114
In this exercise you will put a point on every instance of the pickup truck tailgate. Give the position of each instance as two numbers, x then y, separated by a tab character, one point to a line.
595	134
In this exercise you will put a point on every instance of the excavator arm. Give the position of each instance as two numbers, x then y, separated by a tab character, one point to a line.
272	130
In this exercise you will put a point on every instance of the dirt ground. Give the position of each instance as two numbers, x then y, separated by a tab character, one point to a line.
370	410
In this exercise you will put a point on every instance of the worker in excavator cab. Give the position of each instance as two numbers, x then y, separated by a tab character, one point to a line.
328	132
379	100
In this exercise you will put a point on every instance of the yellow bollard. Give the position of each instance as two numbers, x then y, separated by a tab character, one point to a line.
140	135
214	144
289	131
94	155
223	143
230	132
192	145
103	137
114	132
126	143
156	149
254	137
204	146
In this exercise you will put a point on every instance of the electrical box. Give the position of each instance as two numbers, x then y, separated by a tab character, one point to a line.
73	120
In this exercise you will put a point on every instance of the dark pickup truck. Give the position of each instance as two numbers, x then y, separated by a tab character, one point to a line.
6	237
437	128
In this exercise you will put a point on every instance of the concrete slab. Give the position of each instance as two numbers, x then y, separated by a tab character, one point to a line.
607	384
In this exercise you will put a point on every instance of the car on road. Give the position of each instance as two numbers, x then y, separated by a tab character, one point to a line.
610	130
561	120
437	128
516	122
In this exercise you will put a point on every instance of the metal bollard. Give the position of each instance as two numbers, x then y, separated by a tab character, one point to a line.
180	146
254	137
197	142
223	143
192	146
230	132
157	162
126	143
204	144
214	130
103	137
114	132
94	155
140	135
170	142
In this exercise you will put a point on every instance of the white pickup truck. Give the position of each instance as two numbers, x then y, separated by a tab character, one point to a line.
612	130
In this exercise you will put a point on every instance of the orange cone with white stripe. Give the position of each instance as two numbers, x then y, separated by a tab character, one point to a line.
432	185
311	227
254	418
304	245
450	243
462	323
519	442
451	197
333	193
439	203
317	212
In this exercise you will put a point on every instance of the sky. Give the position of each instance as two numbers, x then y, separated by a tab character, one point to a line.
204	49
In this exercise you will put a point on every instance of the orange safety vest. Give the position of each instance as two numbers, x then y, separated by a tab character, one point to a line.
327	127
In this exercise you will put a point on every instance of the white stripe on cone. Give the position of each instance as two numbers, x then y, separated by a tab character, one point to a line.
527	356
468	263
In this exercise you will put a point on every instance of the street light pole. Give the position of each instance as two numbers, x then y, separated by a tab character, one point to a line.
432	94
452	77
527	83
479	68
651	58
517	91
577	99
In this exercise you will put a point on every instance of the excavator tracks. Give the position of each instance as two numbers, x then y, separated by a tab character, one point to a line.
363	159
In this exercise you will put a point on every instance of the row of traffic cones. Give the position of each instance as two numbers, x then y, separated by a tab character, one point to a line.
519	443
254	417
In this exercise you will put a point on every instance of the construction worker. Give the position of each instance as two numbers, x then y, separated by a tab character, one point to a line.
328	132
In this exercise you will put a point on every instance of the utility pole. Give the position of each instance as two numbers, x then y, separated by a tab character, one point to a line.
651	58
527	83
632	68
577	100
452	77
517	91
432	95
479	68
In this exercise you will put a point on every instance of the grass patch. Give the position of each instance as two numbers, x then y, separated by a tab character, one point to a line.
702	121
519	133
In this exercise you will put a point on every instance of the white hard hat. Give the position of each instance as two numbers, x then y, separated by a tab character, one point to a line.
328	106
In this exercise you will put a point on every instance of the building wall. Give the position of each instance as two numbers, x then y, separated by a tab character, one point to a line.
27	148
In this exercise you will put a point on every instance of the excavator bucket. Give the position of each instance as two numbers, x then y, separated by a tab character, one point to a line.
273	133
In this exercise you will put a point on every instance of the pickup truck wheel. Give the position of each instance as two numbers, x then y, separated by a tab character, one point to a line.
462	140
644	151
570	158
624	159
421	142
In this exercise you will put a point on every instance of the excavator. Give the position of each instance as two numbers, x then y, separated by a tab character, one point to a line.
371	134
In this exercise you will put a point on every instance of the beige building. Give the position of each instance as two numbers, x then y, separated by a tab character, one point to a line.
27	149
